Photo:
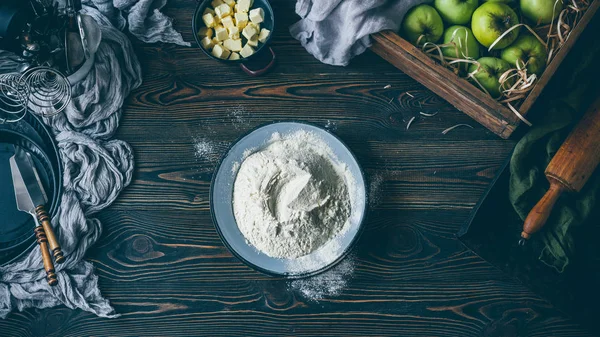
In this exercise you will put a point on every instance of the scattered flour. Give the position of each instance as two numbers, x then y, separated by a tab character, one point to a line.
375	189
208	150
237	115
292	197
329	283
331	126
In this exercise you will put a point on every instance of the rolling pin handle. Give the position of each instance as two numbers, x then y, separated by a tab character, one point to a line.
541	211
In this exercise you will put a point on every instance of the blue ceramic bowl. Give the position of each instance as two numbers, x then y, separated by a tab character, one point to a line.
221	204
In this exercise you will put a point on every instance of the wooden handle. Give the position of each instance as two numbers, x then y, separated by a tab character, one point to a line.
579	155
48	265
44	219
541	211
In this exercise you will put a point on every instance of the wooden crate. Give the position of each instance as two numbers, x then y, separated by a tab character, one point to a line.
458	91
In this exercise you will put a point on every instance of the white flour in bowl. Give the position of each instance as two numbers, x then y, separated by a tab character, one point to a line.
293	196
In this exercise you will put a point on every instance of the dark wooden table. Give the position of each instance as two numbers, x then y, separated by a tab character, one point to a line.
164	268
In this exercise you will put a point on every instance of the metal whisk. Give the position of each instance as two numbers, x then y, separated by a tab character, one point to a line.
14	98
49	91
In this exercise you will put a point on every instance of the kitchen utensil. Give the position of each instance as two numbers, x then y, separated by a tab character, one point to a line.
569	169
16	237
49	91
221	200
263	58
31	196
14	98
27	196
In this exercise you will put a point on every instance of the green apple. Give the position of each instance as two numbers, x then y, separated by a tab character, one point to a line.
489	73
465	41
457	12
528	51
503	1
422	20
491	20
541	11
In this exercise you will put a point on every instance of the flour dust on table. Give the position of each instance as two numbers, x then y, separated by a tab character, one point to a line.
329	283
293	196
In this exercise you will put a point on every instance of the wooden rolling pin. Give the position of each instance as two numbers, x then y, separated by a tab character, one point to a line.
569	169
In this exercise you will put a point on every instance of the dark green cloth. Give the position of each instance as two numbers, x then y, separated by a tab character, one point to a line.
554	121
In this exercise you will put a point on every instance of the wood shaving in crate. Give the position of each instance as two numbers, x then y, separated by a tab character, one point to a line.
516	83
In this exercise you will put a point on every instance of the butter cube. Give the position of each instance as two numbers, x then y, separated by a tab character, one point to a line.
223	11
234	45
221	33
209	20
253	41
207	43
230	3
228	22
234	33
234	56
216	3
255	25
205	31
257	15
208	10
220	52
249	32
241	19
247	51
244	5
263	35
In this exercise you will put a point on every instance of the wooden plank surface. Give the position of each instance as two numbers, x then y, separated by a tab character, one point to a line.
164	268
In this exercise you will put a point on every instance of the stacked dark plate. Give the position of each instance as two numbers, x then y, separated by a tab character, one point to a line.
16	227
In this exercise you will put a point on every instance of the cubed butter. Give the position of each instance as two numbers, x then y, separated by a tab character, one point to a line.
230	3
241	19
216	3
223	11
209	20
257	15
207	43
221	33
246	51
263	35
234	33
208	10
255	25
205	31
249	32
220	52
228	22
233	45
234	56
244	5
253	41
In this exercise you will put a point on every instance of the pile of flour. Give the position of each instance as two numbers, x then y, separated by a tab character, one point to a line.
293	196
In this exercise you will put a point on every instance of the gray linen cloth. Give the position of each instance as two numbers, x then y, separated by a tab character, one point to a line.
334	31
96	168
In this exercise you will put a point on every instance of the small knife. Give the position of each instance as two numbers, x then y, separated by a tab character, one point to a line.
31	198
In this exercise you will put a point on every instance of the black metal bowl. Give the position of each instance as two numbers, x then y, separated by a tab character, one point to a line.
263	58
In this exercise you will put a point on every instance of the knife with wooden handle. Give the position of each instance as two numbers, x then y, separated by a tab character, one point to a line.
31	198
569	169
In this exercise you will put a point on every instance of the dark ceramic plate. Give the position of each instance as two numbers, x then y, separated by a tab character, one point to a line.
16	227
221	198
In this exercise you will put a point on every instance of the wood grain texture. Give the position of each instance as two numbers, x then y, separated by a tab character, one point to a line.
163	266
